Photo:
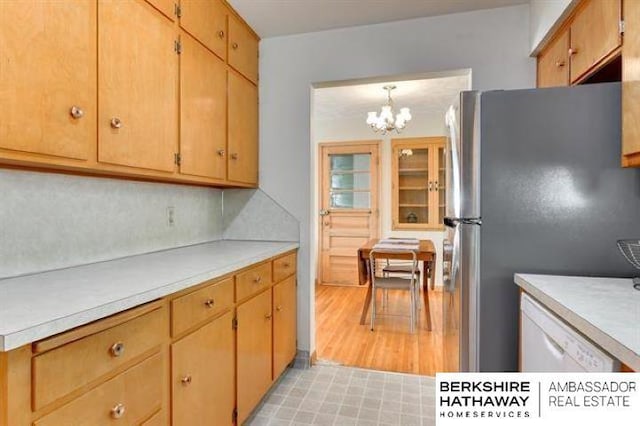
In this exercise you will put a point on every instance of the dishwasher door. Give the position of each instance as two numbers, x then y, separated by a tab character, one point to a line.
548	345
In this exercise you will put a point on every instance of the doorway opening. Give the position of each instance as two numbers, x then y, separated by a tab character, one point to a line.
370	187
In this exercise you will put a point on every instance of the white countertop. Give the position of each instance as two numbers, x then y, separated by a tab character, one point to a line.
33	307
606	310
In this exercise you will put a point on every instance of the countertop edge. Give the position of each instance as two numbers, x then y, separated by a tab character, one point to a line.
29	335
602	339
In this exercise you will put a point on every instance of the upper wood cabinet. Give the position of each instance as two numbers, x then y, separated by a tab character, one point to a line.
595	34
48	77
418	182
254	357
203	376
167	7
243	130
137	86
553	63
203	111
284	325
206	20
631	85
243	49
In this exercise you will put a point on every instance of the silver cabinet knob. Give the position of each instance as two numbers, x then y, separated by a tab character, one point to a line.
221	152
117	349
268	316
286	265
257	280
559	64
117	411
209	303
116	123
234	156
220	34
278	308
76	112
234	46
186	380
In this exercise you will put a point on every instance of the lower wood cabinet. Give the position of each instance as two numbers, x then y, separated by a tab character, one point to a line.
284	324
202	380
196	357
254	352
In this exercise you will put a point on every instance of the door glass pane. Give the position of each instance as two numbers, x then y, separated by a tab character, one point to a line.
413	185
350	181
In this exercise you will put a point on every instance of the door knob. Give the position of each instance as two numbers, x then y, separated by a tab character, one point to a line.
116	123
221	152
76	112
220	34
234	46
186	380
117	411
117	349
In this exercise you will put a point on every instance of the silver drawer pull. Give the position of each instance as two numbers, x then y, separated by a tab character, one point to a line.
117	411
209	303
117	349
76	112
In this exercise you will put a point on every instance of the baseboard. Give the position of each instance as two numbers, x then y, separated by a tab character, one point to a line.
304	360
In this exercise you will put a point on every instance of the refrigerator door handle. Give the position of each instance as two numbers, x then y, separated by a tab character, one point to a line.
452	222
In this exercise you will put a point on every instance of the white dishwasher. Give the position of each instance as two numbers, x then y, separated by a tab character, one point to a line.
548	344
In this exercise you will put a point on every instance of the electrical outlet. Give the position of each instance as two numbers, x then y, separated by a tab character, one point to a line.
171	216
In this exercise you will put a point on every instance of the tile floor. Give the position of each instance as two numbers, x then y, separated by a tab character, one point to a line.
336	395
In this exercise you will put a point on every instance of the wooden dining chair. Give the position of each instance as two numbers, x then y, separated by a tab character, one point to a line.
387	282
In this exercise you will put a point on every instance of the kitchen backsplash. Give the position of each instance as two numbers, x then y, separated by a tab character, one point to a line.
52	221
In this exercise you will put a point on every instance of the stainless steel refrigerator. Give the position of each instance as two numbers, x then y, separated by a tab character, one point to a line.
534	186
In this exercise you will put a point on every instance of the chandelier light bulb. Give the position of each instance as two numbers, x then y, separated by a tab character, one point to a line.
388	120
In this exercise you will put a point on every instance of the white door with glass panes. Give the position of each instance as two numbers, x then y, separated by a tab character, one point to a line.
349	214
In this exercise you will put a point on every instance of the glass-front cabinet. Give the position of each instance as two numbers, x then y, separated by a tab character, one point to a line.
418	183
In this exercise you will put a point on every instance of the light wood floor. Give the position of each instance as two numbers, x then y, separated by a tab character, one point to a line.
390	347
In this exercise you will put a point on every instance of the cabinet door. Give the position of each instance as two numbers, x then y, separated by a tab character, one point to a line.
48	67
553	62
437	194
167	7
206	20
284	325
203	111
243	49
595	33
253	352
243	130
138	86
631	85
202	379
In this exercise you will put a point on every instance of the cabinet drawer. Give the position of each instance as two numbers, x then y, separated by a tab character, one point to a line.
136	393
243	49
252	281
193	308
62	370
283	267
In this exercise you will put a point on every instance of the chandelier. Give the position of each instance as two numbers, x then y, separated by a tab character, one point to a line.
388	120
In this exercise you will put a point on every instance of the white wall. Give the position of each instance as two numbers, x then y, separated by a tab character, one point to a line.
493	43
355	128
546	15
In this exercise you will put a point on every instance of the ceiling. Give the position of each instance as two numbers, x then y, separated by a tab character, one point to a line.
426	96
271	18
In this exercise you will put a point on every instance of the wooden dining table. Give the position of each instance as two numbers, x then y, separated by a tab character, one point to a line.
426	255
